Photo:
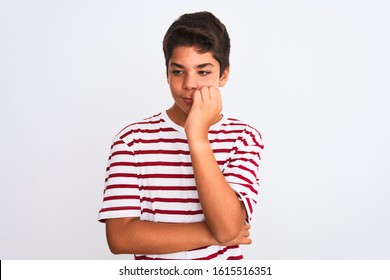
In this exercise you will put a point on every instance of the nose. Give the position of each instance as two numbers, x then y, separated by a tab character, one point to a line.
190	82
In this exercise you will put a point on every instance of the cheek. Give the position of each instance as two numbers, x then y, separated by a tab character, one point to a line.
174	91
174	85
214	81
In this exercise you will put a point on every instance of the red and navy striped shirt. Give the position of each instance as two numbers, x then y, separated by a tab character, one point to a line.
150	176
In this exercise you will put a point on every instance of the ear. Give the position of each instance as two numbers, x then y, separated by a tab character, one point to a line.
224	77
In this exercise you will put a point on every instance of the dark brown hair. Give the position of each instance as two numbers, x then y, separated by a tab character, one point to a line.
201	30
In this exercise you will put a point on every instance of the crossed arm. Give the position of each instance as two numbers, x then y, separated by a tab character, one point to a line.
224	214
132	236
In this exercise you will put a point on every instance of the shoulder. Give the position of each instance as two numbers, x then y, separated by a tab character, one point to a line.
249	135
148	125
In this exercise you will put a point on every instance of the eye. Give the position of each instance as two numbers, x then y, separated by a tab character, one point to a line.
204	73
176	72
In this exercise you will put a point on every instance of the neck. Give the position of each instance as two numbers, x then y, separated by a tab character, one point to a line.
177	115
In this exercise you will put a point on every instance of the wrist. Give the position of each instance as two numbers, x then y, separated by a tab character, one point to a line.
197	136
196	143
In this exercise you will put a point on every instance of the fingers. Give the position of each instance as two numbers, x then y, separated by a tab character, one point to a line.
245	230
248	241
205	93
245	233
210	96
197	97
209	93
202	95
215	95
243	237
205	111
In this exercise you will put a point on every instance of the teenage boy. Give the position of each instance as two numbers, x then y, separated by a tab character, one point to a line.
182	184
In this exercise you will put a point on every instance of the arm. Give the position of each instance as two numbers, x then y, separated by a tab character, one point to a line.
133	236
224	213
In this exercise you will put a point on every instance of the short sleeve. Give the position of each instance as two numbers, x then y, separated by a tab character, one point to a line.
121	197
242	168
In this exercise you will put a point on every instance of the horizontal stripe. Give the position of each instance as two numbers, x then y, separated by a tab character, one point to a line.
151	163
238	152
165	176
234	123
171	212
151	188
240	257
148	176
168	188
122	208
139	130
119	197
156	163
122	186
150	122
118	153
117	143
159	140
163	152
224	131
228	140
216	254
173	200
174	140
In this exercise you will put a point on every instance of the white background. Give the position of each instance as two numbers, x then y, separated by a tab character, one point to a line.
312	76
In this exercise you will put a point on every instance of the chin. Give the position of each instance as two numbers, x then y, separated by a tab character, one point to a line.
185	108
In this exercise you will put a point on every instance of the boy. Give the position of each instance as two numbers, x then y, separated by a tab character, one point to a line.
182	184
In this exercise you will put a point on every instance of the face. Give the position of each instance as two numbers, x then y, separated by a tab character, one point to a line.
188	71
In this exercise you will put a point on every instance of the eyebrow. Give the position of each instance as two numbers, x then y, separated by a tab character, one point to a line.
199	66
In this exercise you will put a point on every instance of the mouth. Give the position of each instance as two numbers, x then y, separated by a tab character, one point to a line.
188	101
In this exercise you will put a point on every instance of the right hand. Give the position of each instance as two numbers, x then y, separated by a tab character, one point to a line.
205	111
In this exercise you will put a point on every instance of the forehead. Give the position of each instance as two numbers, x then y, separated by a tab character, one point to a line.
189	56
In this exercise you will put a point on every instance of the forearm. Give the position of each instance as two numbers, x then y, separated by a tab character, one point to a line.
133	236
223	211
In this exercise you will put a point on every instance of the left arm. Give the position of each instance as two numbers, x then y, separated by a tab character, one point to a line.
223	211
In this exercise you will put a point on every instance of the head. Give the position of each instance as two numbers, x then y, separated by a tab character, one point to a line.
201	30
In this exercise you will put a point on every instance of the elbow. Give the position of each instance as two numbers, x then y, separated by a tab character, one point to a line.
114	251
115	246
117	243
226	235
223	239
226	231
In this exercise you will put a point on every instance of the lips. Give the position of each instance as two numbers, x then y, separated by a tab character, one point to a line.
188	101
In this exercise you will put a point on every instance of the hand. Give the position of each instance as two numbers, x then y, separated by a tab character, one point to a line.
242	238
205	111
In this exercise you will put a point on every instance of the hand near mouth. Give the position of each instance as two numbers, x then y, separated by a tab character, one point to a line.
205	111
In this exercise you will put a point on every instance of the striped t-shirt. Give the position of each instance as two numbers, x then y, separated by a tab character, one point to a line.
150	176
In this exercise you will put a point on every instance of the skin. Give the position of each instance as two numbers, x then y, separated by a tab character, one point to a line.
194	79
